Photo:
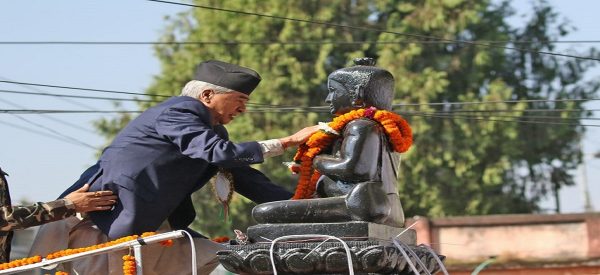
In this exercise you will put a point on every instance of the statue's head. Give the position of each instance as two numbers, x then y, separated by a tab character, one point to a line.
360	86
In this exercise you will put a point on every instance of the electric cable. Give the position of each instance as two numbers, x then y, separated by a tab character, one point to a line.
420	36
304	42
500	120
322	107
35	89
78	96
75	126
81	89
486	115
55	132
48	135
105	91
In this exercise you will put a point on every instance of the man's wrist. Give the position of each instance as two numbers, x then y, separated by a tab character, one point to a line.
284	143
68	203
271	147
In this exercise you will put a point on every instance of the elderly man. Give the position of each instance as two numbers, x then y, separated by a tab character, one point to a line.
160	158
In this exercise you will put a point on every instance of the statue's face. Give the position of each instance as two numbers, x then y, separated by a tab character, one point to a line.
339	98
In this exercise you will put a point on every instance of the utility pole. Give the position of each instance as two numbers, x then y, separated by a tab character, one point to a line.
587	203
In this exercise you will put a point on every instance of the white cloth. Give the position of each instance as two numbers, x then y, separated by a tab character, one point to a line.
157	259
271	148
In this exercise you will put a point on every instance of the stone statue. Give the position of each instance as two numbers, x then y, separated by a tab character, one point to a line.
351	196
359	174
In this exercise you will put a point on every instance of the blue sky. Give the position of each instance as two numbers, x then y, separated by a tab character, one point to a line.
40	167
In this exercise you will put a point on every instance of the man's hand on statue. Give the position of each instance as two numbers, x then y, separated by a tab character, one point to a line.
299	137
91	201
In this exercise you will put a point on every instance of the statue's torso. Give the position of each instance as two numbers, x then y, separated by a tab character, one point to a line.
361	154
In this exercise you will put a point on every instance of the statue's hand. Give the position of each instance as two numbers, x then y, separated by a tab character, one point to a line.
299	137
328	187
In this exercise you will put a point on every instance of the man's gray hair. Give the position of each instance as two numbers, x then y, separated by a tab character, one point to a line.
194	88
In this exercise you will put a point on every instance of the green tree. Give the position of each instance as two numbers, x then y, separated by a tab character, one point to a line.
481	164
461	163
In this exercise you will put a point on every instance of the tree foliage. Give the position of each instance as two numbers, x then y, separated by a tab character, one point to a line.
465	159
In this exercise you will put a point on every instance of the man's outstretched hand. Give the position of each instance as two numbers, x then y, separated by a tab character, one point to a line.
299	137
91	201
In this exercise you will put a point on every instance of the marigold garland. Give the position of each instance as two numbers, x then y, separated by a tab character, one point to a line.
21	262
129	265
395	127
221	239
71	251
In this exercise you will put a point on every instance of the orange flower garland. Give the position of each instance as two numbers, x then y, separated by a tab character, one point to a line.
128	265
395	127
221	239
71	251
21	262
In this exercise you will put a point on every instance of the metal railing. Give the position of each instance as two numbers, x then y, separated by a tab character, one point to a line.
135	244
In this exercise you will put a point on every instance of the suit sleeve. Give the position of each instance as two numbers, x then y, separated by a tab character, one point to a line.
255	186
87	177
183	215
183	125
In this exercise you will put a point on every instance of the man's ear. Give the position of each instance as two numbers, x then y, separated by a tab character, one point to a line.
206	96
358	97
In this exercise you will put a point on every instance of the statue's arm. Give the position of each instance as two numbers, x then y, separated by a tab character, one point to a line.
354	147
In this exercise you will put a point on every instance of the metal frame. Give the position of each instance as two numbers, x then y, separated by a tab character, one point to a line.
135	244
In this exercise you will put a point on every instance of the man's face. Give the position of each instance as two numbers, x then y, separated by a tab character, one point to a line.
225	106
339	98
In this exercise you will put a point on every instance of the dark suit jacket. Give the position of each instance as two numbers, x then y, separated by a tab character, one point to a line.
160	158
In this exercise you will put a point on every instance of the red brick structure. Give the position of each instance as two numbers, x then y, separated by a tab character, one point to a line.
520	244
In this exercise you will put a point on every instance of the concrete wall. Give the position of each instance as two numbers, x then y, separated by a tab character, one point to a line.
546	240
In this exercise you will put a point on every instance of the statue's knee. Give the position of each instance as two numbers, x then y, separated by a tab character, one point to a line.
265	212
368	202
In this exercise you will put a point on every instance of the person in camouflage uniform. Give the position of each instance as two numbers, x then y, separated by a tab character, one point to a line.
20	217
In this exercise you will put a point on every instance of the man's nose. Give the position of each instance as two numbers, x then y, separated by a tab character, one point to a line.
329	98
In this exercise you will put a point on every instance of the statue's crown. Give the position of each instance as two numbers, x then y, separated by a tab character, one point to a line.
364	61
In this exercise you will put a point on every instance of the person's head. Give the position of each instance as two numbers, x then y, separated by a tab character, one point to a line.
223	88
360	86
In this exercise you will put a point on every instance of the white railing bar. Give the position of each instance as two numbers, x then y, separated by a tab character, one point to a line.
137	253
148	240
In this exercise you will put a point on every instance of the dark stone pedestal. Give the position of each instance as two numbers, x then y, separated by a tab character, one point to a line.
371	249
343	230
368	257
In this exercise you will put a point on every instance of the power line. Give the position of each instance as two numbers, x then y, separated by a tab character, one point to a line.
45	111
419	36
488	115
515	119
520	110
50	117
36	89
37	132
101	91
494	102
117	43
501	120
77	96
73	140
284	107
79	88
484	116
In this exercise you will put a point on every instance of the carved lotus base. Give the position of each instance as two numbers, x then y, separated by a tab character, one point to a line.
372	257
